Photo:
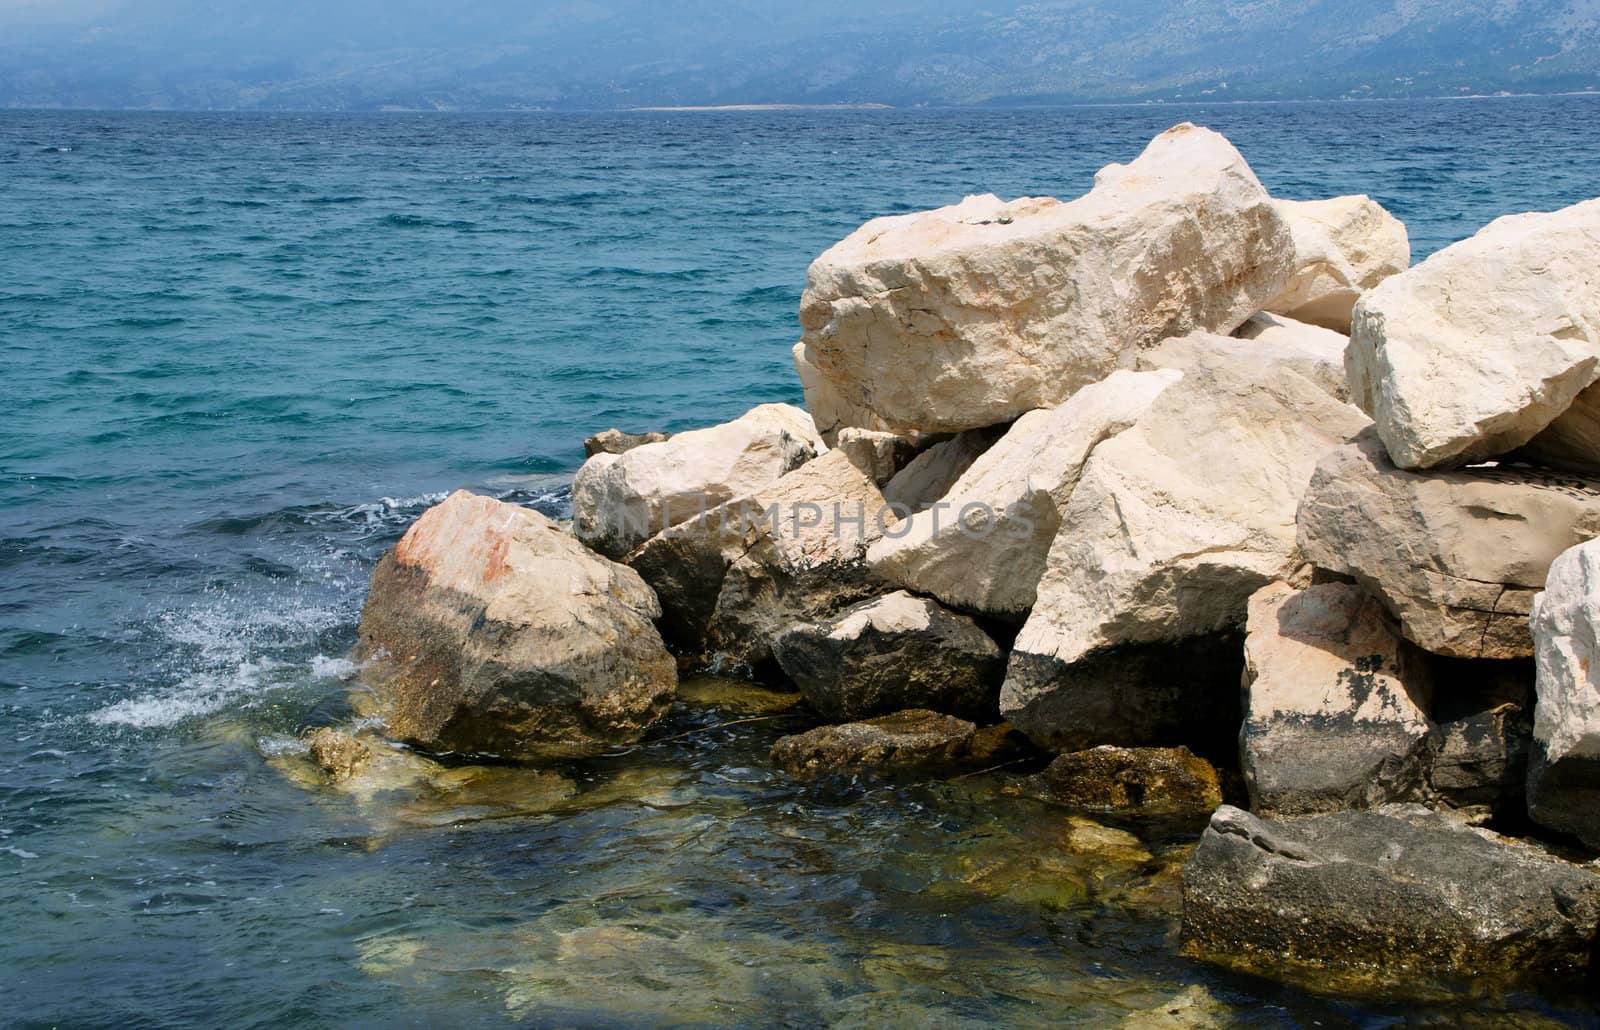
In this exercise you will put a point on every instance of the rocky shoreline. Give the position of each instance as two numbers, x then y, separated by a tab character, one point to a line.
1190	493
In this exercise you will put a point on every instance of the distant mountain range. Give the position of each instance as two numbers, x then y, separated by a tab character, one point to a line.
606	54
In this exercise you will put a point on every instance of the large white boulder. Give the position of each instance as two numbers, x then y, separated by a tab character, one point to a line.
1343	247
974	314
1335	703
1173	525
621	500
1476	350
488	629
982	546
1456	556
1564	769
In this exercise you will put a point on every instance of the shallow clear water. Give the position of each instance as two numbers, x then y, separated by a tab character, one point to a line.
241	353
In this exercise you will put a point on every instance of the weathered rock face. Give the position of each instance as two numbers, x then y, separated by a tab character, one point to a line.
892	653
1395	895
1335	703
1314	352
982	546
1473	352
1343	247
1135	781
1564	769
929	476
620	500
916	739
975	314
732	580
615	441
1456	556
1173	525
879	455
490	630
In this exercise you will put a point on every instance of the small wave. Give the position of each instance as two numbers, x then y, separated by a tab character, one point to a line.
19	852
199	695
323	667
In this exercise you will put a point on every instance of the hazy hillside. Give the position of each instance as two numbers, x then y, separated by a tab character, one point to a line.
365	54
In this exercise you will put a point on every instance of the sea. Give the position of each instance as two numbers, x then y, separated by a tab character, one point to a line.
242	352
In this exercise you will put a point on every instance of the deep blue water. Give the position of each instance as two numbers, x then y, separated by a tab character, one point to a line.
241	352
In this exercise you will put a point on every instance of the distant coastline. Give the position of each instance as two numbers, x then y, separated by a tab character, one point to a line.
771	107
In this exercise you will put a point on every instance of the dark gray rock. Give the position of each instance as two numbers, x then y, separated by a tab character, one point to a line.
891	653
1483	724
1393	895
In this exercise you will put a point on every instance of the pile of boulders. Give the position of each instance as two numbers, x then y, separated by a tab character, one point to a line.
1079	470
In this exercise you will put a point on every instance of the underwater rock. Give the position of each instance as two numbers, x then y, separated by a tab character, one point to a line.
338	754
910	740
972	315
489	630
1398	894
1134	781
892	653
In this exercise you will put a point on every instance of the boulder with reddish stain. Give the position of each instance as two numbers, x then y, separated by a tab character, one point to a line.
490	630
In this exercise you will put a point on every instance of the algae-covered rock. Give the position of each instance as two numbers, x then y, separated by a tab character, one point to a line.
1398	894
1134	781
916	739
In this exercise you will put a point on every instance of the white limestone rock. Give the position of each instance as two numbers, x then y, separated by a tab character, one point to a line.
1173	525
974	314
1314	352
1343	247
620	500
1476	350
1564	768
982	546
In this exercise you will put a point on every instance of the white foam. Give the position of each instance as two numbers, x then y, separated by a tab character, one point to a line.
10	850
325	668
201	694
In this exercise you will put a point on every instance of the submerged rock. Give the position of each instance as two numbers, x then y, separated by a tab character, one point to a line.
973	315
615	441
915	739
1336	701
1343	247
1479	348
488	629
1456	556
1396	895
1173	525
982	546
338	754
892	653
620	500
1564	768
1134	781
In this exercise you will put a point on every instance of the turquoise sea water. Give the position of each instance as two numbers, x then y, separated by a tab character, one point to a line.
242	352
